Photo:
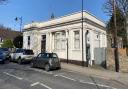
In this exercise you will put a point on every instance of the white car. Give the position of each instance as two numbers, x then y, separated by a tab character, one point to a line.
21	55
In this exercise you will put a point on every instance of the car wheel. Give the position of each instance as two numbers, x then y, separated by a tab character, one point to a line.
47	67
59	68
19	61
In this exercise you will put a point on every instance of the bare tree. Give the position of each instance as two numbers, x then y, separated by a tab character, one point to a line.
121	4
108	7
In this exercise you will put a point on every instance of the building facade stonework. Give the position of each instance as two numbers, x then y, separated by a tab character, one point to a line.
64	36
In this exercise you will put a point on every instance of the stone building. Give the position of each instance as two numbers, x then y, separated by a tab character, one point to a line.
63	36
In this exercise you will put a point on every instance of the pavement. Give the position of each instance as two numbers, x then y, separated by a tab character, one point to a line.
101	73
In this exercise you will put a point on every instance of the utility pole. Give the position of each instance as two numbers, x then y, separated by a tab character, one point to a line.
82	33
126	27
115	39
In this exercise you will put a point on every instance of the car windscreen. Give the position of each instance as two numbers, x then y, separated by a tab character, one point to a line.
53	55
28	52
49	55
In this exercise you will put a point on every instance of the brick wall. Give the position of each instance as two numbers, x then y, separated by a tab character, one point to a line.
123	60
110	59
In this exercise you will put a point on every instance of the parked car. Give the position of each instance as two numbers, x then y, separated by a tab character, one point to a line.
4	53
2	57
21	55
5	50
47	61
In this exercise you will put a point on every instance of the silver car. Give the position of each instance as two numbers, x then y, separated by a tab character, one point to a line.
22	55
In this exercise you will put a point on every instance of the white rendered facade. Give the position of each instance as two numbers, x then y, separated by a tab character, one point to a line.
67	29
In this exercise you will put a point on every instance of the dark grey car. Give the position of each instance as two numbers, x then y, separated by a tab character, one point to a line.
47	61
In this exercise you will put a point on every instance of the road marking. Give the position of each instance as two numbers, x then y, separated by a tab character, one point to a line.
13	76
101	85
65	77
45	86
38	83
34	84
82	81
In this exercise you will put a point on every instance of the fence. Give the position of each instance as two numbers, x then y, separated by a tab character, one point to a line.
100	56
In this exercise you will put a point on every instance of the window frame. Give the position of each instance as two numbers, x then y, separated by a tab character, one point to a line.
60	40
77	39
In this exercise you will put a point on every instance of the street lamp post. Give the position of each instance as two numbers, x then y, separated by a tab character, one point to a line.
67	46
20	20
82	33
67	51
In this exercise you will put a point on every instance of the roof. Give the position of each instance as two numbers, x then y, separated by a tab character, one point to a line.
9	34
66	18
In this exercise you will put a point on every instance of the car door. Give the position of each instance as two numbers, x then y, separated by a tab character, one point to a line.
35	61
38	59
43	60
17	54
14	55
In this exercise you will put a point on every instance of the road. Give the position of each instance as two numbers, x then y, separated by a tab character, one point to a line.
15	76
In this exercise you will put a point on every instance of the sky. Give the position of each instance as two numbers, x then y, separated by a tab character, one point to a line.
41	10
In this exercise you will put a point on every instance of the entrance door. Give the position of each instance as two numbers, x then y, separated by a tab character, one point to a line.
43	43
87	47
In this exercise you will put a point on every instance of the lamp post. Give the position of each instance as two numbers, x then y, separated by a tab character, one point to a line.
126	24
67	51
82	8
20	20
67	45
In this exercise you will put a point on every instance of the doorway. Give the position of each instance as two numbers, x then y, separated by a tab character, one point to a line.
87	48
43	43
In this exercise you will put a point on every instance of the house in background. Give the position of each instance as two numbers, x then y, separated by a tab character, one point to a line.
8	34
63	36
110	41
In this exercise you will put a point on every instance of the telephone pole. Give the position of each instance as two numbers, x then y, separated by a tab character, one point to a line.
115	39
